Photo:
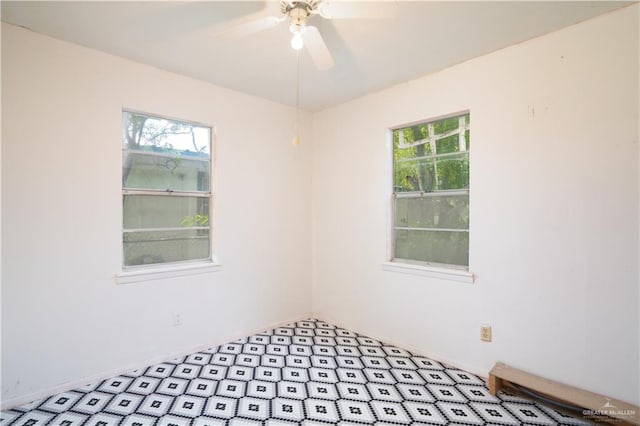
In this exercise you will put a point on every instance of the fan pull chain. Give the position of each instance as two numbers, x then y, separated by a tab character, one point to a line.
296	139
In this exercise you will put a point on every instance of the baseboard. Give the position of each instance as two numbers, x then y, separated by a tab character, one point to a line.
35	396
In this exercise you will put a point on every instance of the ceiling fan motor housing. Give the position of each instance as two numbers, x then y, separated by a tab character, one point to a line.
298	12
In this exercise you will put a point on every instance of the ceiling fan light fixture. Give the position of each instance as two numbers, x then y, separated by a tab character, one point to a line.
298	13
297	42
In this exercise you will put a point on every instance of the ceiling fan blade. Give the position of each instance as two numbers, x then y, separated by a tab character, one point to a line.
317	48
358	9
251	27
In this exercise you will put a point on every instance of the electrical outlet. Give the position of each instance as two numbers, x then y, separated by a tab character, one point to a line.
485	333
177	320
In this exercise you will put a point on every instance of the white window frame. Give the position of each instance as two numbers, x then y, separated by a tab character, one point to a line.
139	273
407	266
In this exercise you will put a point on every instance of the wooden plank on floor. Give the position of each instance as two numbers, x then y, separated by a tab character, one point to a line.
590	401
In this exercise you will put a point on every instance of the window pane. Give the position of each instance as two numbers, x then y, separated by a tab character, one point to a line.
445	247
414	175
155	171
408	136
450	211
445	125
431	157
447	145
164	211
157	134
453	172
148	247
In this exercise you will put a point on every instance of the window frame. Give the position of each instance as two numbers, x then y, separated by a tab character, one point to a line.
153	271
453	272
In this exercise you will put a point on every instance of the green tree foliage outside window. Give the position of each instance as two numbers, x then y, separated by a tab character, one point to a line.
431	192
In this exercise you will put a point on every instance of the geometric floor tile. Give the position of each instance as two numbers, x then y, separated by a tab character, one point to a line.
527	413
93	402
446	393
292	390
324	362
69	419
186	371
61	402
124	404
144	385
171	420
201	387
392	412
34	418
321	410
355	411
286	409
436	377
459	413
213	372
425	413
160	371
494	413
415	393
7	417
354	391
198	358
462	377
188	406
138	420
477	393
208	421
253	408
231	388
260	389
322	390
309	373
115	385
172	386
221	407
407	376
155	405
379	376
104	419
351	375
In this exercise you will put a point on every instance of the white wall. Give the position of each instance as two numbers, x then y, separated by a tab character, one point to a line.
63	317
554	211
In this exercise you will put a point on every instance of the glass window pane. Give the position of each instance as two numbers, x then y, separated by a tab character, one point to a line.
161	171
164	211
439	163
447	145
445	125
149	247
453	172
414	175
408	136
446	247
450	211
157	134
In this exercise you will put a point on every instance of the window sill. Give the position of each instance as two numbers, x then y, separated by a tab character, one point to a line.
158	273
430	271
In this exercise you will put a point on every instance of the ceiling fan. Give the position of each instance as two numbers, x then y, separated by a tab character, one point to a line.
298	13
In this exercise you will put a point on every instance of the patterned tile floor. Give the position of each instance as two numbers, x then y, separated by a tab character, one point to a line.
307	373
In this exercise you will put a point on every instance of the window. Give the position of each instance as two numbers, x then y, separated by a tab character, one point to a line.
431	193
166	190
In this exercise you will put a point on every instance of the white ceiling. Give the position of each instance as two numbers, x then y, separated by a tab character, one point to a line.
370	54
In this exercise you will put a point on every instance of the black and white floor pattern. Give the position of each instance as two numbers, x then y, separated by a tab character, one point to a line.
308	373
